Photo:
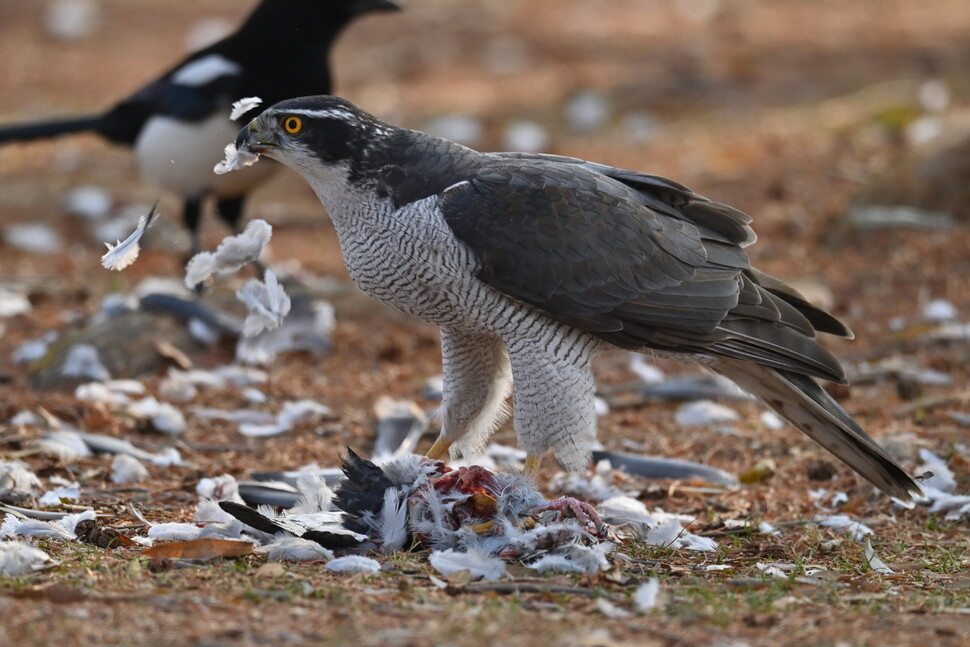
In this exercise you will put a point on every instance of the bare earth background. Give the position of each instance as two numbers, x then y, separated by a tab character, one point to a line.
787	110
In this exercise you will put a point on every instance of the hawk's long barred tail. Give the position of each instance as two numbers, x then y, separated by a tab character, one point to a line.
806	405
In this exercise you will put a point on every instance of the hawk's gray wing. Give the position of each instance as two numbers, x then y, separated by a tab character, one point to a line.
634	259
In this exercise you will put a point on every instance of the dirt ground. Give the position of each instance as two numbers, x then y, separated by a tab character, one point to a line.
787	110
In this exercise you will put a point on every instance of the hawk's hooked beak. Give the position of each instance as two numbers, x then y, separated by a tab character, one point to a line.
252	139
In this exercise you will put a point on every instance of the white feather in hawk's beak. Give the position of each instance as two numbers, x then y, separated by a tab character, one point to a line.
244	151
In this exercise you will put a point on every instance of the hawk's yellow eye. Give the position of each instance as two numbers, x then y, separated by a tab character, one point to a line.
293	125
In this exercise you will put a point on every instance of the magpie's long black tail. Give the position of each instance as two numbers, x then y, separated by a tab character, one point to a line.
803	403
44	129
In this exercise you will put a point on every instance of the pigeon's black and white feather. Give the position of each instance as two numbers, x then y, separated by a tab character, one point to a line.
179	124
530	263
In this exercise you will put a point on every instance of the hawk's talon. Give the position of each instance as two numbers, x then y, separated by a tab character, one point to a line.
584	512
439	450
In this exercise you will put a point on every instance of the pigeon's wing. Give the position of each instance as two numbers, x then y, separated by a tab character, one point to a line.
634	259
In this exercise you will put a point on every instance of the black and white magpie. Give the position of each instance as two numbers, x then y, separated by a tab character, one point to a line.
530	263
179	123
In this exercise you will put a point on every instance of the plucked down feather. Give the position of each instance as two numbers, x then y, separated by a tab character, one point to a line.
529	263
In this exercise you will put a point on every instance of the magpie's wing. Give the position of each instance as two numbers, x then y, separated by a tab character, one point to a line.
203	85
252	518
634	259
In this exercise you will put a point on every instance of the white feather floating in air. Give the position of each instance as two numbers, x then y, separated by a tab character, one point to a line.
231	254
244	105
124	253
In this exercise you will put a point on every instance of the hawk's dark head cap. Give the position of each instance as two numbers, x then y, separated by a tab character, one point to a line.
326	127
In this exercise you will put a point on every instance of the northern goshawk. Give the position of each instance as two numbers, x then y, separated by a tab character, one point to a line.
531	263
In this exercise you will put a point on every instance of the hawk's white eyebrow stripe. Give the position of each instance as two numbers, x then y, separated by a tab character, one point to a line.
332	112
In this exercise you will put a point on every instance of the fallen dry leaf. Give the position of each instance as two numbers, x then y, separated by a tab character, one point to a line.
199	549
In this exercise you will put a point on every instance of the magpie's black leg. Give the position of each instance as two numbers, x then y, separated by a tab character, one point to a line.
230	210
192	217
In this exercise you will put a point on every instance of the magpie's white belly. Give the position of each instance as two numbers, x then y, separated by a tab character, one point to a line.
178	157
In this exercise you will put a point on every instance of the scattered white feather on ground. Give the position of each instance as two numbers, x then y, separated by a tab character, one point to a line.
62	528
666	534
295	549
99	392
942	479
611	610
231	254
176	387
88	202
203	332
940	310
772	420
35	237
239	416
291	414
844	523
64	445
234	160
127	469
658	527
29	351
266	302
598	487
244	105
124	253
190	531
68	491
646	596
26	417
874	561
13	303
219	488
354	564
477	562
20	558
163	416
704	412
16	475
254	395
555	563
84	363
774	570
35	349
647	372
